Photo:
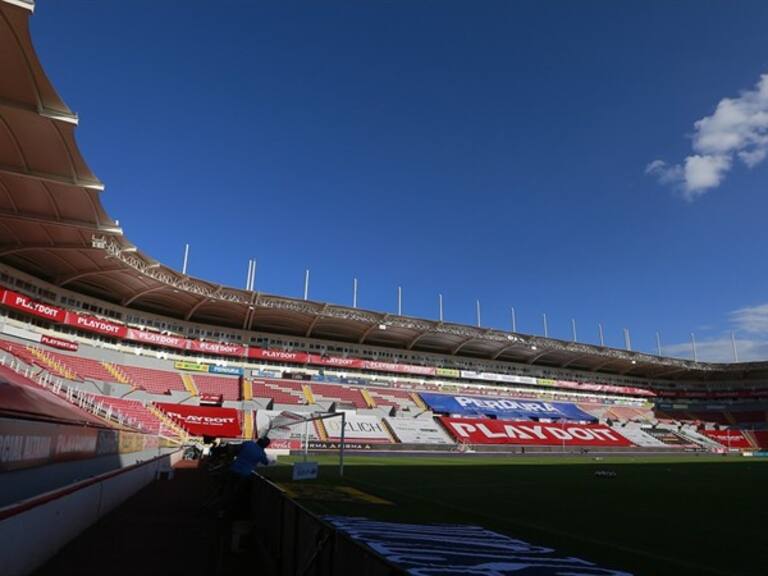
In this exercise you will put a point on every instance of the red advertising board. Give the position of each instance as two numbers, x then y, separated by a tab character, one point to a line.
278	355
204	420
218	348
94	324
20	302
59	343
525	433
156	338
728	438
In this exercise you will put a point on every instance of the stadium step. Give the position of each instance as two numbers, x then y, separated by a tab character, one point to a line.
120	376
307	390
368	398
418	401
52	364
247	391
248	424
189	384
169	423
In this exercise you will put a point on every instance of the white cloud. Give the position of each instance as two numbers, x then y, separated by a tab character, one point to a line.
751	319
721	350
737	128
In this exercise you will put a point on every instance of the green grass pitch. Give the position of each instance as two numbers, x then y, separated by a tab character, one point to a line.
679	515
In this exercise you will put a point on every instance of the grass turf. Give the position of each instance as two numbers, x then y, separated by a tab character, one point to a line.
677	515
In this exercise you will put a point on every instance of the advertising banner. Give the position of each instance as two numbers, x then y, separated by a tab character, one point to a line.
486	431
449	372
190	366
204	420
728	438
445	549
96	325
20	302
336	361
218	348
418	431
278	355
358	428
229	370
59	343
26	443
211	399
508	408
156	339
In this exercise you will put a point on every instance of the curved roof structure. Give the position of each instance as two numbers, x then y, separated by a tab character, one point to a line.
53	226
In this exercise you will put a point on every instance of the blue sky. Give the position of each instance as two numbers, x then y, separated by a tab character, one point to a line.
549	156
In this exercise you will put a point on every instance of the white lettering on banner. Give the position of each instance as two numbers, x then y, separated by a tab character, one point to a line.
97	324
535	430
463	429
484	429
502	405
430	550
69	444
514	432
37	307
194	419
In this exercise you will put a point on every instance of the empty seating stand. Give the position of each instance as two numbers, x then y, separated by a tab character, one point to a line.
227	387
135	411
280	391
339	393
151	380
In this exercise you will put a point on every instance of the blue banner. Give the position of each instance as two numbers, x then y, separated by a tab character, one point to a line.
504	408
231	370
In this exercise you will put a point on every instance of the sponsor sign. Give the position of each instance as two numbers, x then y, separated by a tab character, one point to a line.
486	431
400	368
24	443
449	372
728	438
190	366
204	420
418	431
94	324
60	343
278	355
494	377
229	370
20	302
336	361
357	428
211	399
445	549
508	408
156	338
218	348
304	470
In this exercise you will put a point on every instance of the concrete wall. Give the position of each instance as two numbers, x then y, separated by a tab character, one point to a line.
31	534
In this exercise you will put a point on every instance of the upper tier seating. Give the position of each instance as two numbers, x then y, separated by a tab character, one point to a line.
151	380
281	391
227	387
392	397
339	393
84	367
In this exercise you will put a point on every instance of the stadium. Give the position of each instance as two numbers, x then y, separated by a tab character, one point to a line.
443	448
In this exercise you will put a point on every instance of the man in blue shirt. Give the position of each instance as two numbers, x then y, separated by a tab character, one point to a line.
250	455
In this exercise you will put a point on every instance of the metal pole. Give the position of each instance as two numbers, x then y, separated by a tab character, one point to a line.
602	335
514	320
627	340
186	259
477	311
733	345
546	326
253	275
354	292
306	284
248	276
341	448
306	439
658	343
573	328
693	347
399	300
440	305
